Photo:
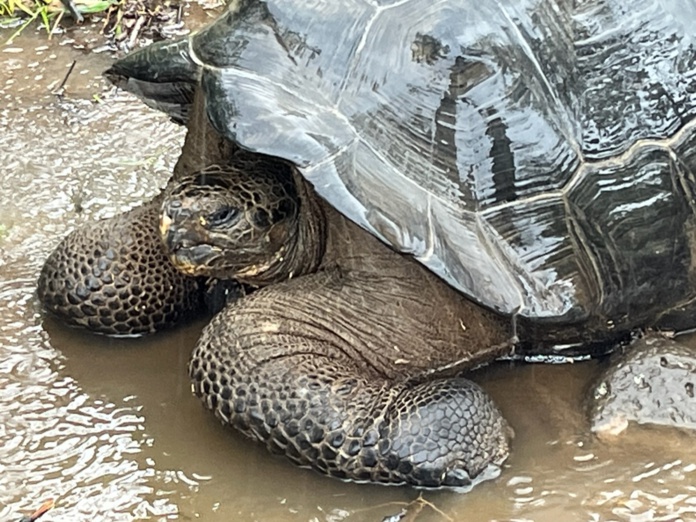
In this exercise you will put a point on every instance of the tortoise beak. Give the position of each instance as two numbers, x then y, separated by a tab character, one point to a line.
182	242
164	224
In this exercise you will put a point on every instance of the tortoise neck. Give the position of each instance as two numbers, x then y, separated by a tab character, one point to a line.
310	245
304	250
203	145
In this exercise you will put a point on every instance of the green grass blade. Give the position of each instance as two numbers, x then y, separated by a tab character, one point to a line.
20	5
44	18
95	7
22	27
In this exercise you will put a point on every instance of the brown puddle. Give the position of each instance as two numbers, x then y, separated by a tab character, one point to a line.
109	429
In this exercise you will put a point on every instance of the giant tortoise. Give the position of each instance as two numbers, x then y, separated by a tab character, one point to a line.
535	155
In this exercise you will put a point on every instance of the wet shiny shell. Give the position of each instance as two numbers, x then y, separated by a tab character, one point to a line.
536	154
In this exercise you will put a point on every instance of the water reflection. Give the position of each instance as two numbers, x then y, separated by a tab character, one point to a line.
62	159
56	441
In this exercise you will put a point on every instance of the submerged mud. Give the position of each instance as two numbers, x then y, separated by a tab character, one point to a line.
109	428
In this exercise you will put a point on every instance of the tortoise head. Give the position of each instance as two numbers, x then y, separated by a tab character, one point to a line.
231	221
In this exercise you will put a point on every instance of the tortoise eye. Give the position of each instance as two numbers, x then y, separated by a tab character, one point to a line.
223	216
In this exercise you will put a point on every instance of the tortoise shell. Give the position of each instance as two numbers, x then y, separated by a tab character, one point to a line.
536	154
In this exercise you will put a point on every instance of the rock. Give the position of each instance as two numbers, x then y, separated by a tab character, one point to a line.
651	382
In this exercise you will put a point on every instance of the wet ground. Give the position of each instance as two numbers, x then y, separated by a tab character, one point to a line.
109	428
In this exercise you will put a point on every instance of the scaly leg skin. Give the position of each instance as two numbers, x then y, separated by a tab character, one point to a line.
287	366
113	277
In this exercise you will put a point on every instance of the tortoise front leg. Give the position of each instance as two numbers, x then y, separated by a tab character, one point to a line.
113	277
286	366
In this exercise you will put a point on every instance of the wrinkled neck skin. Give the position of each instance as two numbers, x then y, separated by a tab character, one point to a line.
203	146
304	250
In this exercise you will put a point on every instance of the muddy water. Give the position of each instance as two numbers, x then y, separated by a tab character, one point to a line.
109	428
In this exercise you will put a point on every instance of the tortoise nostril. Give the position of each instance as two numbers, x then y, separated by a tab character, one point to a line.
175	210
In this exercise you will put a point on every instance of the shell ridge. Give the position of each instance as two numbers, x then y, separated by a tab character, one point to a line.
634	149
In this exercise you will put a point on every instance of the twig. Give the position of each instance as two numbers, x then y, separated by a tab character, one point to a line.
136	30
55	24
179	13
410	510
107	18
46	506
60	89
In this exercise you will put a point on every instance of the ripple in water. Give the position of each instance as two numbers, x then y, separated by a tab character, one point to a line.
63	163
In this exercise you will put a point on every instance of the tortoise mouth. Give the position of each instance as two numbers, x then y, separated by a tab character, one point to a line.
185	249
195	260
